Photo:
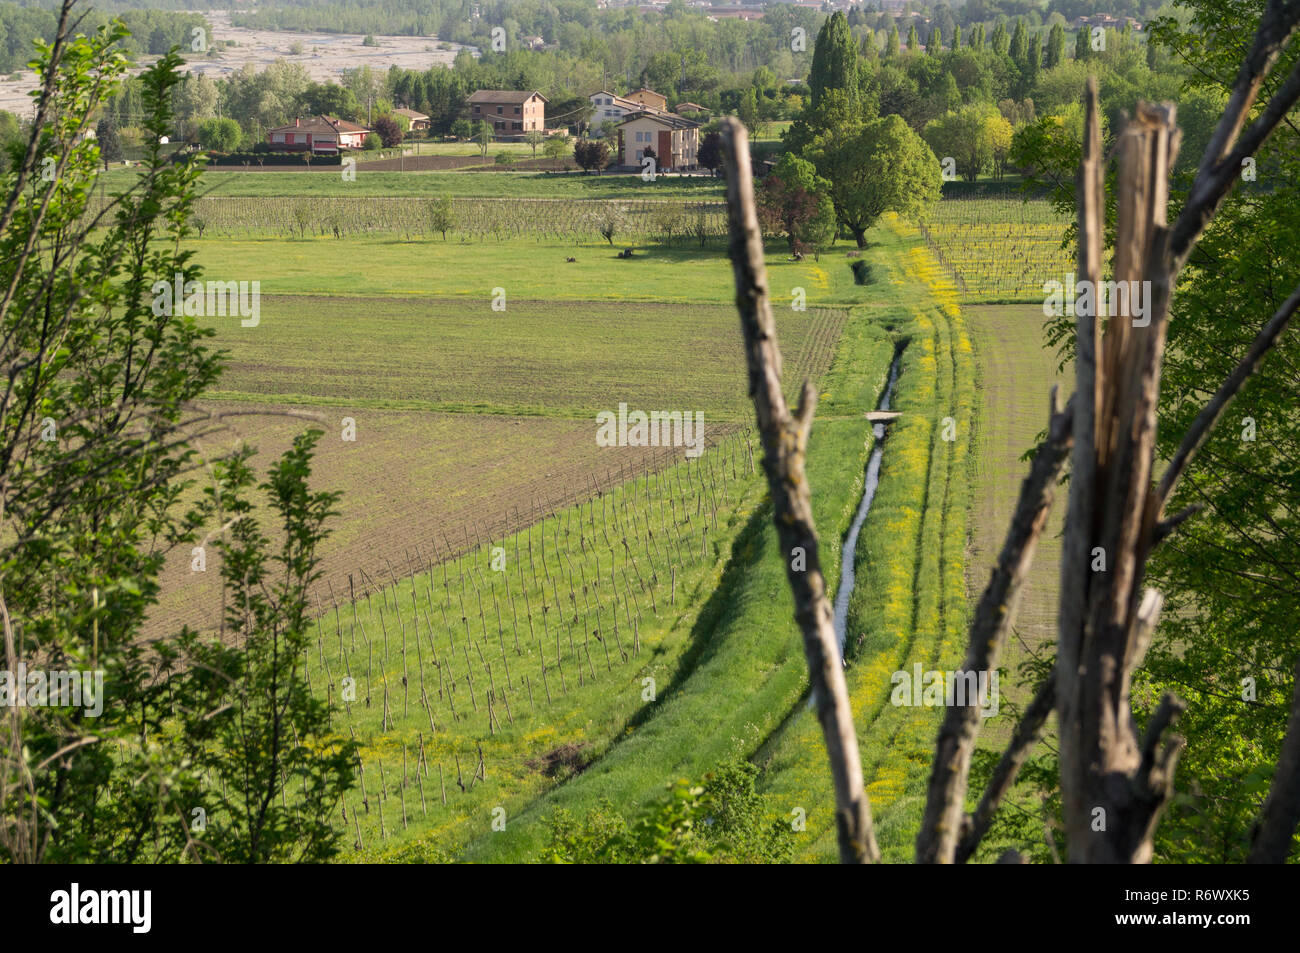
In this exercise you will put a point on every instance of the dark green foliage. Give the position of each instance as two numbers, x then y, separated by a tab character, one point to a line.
721	820
110	146
835	60
389	132
591	154
219	135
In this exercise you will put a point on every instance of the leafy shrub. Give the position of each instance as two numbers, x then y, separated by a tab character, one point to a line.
389	132
719	821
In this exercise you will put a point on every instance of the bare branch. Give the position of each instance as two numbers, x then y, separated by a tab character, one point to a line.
1027	733
941	825
1275	829
785	439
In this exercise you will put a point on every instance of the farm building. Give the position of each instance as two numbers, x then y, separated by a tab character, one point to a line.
419	121
691	109
318	134
511	112
675	140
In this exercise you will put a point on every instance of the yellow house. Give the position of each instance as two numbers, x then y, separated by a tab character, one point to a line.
674	139
649	99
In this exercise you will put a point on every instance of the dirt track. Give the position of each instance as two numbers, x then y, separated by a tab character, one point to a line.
1016	373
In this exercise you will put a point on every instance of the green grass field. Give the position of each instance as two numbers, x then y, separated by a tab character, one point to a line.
535	358
472	416
526	269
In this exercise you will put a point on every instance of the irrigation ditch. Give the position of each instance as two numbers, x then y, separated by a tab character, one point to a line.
848	551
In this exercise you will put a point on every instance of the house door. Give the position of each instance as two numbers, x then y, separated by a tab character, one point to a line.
665	150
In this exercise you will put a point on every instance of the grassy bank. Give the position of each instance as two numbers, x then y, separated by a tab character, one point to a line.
908	605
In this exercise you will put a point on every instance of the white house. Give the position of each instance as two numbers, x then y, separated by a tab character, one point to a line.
610	108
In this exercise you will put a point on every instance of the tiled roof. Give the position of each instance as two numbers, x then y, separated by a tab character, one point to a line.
318	125
672	120
505	96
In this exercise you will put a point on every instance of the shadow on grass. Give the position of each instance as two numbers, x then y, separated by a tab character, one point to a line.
746	552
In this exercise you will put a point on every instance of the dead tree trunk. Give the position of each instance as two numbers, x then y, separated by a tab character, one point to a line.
785	443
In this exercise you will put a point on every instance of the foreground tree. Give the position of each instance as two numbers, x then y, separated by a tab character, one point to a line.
97	437
260	732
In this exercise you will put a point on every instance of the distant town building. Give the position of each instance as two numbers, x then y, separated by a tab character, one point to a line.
1106	21
733	13
510	112
318	134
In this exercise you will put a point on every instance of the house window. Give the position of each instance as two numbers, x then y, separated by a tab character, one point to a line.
519	125
477	110
500	110
516	110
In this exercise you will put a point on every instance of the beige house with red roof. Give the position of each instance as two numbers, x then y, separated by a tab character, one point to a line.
318	134
674	139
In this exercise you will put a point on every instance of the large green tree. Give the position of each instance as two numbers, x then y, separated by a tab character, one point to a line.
1055	47
882	166
975	136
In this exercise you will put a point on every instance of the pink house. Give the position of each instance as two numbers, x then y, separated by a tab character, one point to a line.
319	134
